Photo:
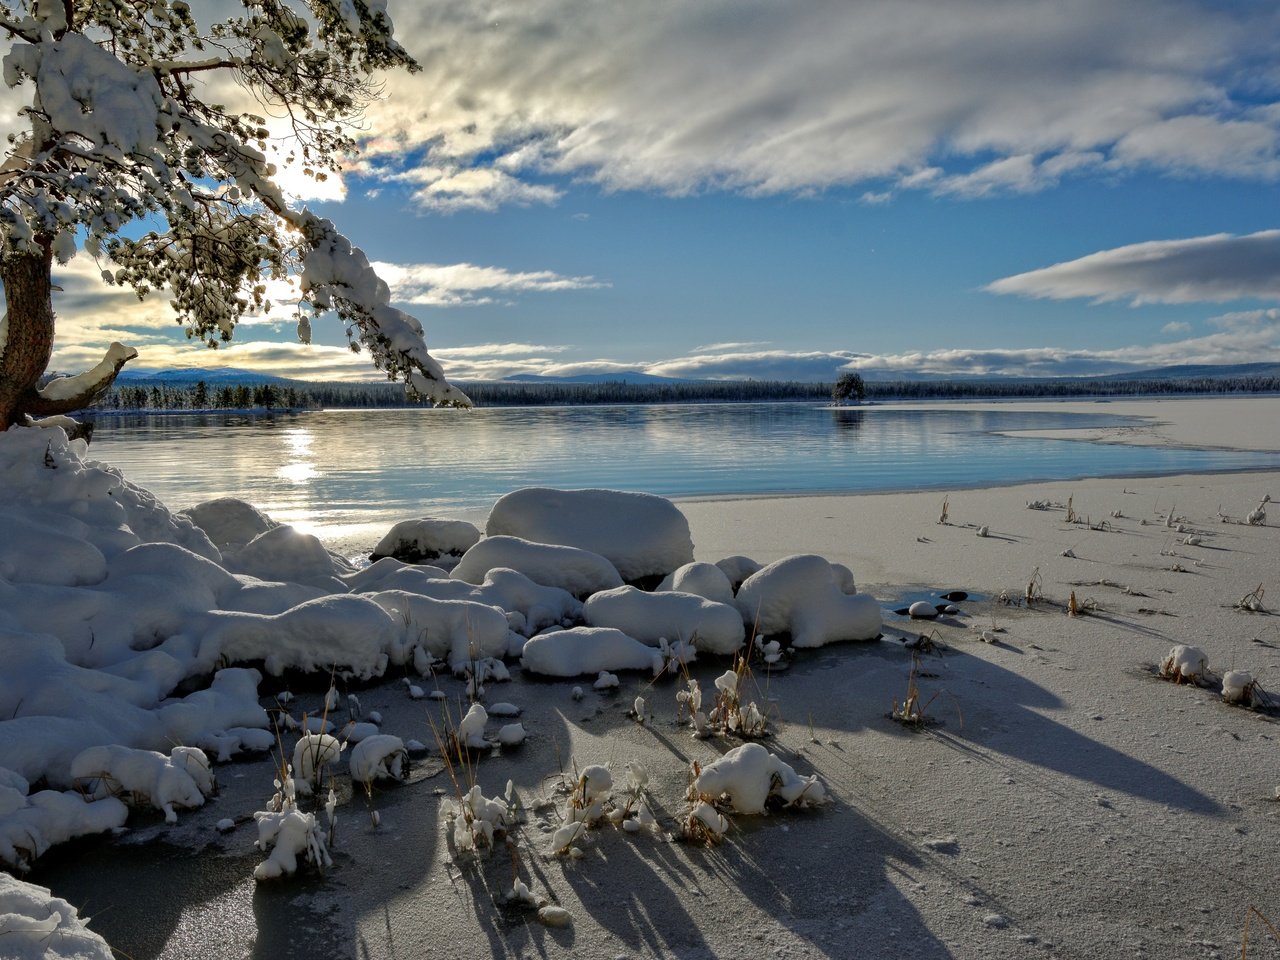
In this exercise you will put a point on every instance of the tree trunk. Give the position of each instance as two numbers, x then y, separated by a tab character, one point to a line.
29	344
25	352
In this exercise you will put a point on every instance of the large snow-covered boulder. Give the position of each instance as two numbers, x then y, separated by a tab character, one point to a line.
804	596
642	535
426	539
578	571
587	650
283	553
651	617
228	522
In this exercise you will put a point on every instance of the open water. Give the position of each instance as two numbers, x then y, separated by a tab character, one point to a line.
347	475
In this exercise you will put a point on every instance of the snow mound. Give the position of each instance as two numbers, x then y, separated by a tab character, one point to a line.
587	650
701	579
30	825
749	775
228	522
737	569
1185	664
36	925
651	617
642	535
579	572
802	595
352	634
426	539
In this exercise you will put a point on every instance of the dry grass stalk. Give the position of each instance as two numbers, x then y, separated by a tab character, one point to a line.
1262	918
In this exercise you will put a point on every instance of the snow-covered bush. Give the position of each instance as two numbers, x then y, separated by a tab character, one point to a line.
749	776
1185	664
728	715
579	572
426	539
472	822
312	755
379	757
287	834
651	617
1239	686
641	534
182	779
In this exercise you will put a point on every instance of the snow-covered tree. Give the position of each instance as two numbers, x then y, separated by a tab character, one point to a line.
146	144
849	387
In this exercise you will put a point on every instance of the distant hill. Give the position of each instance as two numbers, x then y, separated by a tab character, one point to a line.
218	375
1199	370
628	376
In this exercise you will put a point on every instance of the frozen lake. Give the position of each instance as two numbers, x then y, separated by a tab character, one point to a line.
347	475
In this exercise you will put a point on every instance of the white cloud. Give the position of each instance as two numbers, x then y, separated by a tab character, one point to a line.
967	97
1176	326
1215	268
435	284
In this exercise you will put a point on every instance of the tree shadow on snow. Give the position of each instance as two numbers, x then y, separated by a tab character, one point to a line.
983	705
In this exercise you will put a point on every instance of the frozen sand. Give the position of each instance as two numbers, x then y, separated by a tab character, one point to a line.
1068	804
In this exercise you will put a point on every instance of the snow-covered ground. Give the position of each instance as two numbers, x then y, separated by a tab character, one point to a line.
1057	799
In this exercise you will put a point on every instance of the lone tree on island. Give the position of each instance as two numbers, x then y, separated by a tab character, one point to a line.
131	156
849	387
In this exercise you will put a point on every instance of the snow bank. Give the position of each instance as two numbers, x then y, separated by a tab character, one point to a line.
579	572
651	617
587	650
642	535
802	595
749	775
389	573
36	925
426	539
701	579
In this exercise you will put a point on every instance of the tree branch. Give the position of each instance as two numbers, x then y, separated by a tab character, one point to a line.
64	394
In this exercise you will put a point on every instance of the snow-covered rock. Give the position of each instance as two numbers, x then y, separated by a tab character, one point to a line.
587	650
579	572
283	553
228	522
749	775
392	574
457	631
36	925
30	825
650	617
802	595
426	539
701	579
641	534
737	569
353	634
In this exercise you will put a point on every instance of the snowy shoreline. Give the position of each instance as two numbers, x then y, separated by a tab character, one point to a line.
1030	816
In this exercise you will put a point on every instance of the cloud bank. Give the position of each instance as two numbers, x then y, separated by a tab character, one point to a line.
1210	269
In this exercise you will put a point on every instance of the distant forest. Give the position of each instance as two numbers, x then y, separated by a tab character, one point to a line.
299	395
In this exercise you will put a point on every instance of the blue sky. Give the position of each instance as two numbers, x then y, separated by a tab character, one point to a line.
752	189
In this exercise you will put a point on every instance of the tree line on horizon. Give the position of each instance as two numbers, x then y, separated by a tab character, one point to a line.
299	395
